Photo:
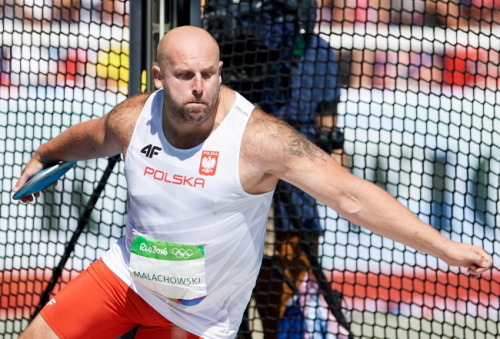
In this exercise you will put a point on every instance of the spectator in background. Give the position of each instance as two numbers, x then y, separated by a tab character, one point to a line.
357	12
108	12
447	13
463	14
68	10
115	12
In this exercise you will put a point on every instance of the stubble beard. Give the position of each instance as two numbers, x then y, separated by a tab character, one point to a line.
191	116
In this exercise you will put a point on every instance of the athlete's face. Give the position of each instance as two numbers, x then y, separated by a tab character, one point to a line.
191	81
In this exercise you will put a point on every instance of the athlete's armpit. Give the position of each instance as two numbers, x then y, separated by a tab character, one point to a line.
120	121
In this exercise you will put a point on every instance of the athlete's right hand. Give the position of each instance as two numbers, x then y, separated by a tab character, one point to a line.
32	167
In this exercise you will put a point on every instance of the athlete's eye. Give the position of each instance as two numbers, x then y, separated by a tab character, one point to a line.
185	75
206	75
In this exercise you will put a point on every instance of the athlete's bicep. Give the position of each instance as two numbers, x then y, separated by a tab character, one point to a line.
108	134
293	158
275	150
290	153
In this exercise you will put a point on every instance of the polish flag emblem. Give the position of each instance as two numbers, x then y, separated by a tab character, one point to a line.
208	163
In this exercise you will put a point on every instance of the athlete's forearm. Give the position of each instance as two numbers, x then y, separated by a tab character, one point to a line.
369	206
384	215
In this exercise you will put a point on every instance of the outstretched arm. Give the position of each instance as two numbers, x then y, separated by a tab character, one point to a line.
293	158
106	136
369	206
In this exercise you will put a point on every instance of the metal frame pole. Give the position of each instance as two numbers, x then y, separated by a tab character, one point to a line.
135	53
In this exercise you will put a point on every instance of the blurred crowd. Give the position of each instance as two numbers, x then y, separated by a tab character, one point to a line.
447	13
91	50
464	61
44	12
459	64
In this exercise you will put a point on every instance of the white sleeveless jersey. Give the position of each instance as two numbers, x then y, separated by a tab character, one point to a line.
196	236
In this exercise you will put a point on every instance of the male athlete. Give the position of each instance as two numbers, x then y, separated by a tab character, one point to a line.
201	164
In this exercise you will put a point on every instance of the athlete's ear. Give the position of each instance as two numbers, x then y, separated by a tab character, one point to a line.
157	76
220	72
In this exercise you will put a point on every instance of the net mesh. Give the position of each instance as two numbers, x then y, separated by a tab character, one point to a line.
418	87
415	87
62	62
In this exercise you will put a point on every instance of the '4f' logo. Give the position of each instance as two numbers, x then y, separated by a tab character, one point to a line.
151	150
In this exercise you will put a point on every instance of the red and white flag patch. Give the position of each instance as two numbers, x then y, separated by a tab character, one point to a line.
208	164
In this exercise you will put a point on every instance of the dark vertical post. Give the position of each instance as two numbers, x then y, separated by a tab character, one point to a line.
135	53
195	13
189	12
148	43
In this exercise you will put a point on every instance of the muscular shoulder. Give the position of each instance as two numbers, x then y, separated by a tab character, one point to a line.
121	120
270	148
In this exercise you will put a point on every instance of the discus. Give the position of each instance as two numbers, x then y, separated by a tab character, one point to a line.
44	179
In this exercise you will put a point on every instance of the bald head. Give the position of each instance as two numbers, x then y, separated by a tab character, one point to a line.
186	41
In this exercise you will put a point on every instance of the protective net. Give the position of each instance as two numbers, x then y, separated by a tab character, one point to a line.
414	86
61	62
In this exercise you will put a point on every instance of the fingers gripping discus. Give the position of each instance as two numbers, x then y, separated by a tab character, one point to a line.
44	179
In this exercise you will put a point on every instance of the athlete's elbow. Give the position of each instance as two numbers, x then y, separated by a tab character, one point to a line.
348	206
104	148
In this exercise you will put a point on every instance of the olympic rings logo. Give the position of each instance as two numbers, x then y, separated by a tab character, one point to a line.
181	253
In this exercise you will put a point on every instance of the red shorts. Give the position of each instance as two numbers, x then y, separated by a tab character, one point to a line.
97	304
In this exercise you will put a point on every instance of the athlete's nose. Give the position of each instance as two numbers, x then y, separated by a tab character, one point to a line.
197	86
